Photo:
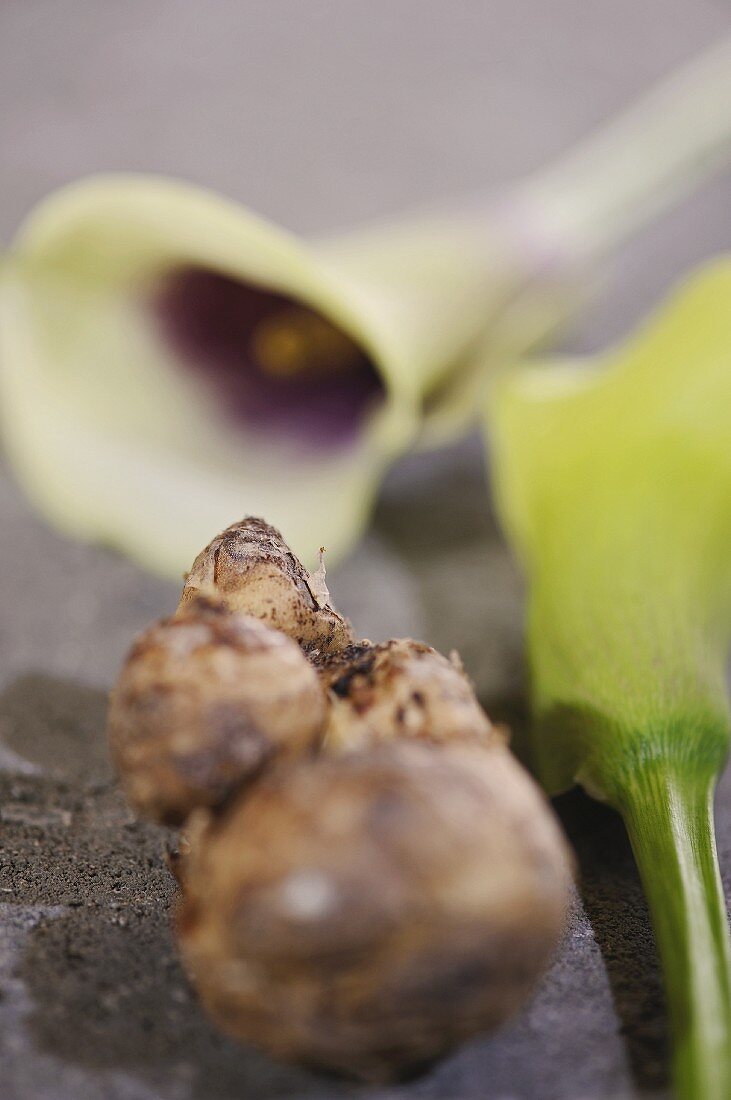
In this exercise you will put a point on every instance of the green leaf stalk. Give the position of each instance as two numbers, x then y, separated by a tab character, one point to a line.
614	483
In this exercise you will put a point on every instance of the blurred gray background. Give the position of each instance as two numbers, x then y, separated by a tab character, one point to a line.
319	114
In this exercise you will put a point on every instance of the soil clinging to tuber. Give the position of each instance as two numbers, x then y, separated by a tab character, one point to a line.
400	688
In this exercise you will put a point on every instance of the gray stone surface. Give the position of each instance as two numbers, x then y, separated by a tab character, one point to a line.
316	113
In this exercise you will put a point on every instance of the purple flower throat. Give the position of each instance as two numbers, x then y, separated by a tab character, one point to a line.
275	365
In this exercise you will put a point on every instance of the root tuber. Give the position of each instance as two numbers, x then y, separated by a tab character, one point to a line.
250	567
366	912
203	702
400	688
368	876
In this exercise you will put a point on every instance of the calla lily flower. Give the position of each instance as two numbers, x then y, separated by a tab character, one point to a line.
614	483
169	361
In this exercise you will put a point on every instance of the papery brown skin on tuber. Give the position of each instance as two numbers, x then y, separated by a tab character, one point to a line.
251	569
204	701
400	688
367	911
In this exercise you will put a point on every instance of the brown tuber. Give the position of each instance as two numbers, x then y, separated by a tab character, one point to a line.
367	911
400	688
250	568
203	702
368	876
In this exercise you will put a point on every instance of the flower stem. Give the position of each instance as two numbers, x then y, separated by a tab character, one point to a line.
669	818
633	167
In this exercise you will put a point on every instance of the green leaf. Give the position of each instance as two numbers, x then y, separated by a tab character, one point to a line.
614	483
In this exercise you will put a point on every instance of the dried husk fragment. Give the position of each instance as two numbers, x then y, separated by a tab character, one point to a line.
250	568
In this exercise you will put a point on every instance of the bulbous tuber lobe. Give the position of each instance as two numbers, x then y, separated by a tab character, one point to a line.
204	700
367	911
251	569
400	688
